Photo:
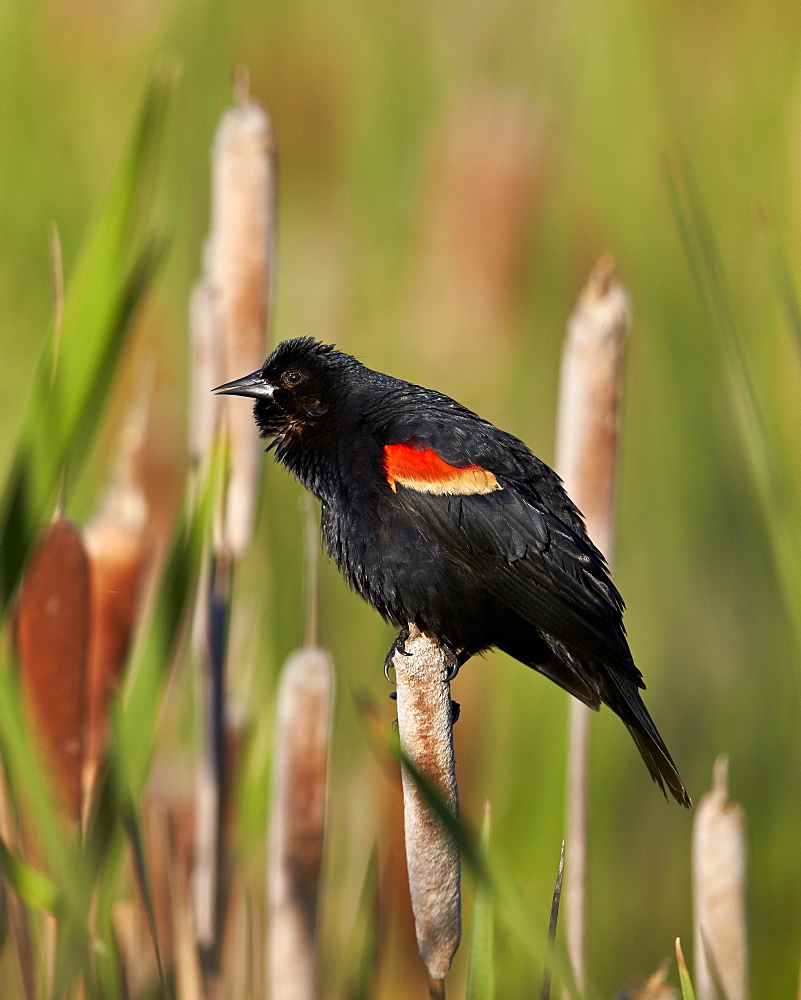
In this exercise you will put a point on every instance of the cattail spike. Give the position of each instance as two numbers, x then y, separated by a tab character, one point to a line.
720	869
297	822
425	728
53	646
586	459
240	264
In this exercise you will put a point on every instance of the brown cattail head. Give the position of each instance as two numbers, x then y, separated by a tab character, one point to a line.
481	186
720	870
425	727
297	822
240	263
53	622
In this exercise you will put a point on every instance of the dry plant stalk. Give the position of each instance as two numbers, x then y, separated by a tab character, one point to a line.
236	978
720	870
425	726
586	459
168	822
297	822
135	946
188	973
53	624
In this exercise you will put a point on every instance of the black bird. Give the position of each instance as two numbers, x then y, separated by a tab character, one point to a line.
437	517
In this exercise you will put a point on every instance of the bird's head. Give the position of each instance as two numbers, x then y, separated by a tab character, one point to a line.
295	389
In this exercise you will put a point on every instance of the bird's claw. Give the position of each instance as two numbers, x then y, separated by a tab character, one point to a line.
459	662
396	647
452	672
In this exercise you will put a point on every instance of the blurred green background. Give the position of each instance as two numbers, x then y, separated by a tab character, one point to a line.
449	174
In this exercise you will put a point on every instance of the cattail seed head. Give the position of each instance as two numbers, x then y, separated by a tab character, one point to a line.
720	869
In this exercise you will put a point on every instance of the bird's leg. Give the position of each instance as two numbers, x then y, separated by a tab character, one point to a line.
398	646
461	658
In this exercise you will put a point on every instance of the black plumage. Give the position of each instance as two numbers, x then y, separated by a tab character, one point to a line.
437	517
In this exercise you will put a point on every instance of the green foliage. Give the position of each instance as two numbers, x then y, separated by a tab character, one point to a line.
481	968
67	397
65	406
687	991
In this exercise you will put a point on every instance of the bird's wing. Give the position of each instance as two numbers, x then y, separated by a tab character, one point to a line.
523	553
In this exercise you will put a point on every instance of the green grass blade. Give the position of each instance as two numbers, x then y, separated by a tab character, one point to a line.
27	778
687	991
64	406
30	885
773	480
481	960
135	718
69	894
133	826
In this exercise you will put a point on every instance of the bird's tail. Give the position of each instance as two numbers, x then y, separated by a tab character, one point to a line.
596	682
624	698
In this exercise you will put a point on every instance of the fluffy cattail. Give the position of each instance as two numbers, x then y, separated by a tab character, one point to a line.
425	727
720	869
586	459
297	821
240	262
229	319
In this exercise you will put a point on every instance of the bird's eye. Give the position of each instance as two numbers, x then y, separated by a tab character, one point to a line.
292	378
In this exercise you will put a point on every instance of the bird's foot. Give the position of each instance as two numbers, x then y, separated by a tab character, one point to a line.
398	646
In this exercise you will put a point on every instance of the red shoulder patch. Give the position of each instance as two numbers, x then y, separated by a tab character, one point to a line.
420	468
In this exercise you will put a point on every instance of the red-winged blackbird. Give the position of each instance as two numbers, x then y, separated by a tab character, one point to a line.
436	517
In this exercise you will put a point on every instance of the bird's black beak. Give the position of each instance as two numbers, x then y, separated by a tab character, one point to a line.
251	385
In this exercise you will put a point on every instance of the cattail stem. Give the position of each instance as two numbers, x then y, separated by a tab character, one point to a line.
210	783
425	726
586	459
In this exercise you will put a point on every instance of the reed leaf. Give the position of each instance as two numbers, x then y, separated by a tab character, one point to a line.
64	406
687	991
481	962
36	889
